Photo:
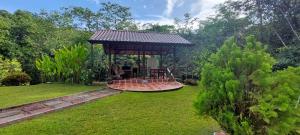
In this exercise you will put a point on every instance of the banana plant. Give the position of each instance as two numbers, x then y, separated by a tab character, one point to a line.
47	67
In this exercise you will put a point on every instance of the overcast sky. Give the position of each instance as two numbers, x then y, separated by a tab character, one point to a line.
157	11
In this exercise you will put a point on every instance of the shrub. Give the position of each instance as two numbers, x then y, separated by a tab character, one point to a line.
242	93
16	79
278	108
191	82
8	66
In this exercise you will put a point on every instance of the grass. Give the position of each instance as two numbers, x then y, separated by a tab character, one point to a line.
128	113
16	95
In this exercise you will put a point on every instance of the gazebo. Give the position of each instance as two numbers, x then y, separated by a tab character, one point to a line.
141	44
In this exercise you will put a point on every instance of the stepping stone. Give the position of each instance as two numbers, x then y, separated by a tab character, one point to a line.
77	101
70	98
33	107
12	118
10	113
62	105
40	111
53	102
99	95
83	96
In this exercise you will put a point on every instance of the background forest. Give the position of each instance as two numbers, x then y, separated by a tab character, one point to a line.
26	36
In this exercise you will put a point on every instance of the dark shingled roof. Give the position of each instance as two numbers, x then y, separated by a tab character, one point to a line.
108	36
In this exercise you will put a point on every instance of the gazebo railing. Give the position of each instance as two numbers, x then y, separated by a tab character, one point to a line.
182	72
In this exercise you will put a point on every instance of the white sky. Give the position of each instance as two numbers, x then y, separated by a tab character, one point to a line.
198	8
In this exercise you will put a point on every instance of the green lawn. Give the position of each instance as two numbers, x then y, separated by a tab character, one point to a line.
128	113
16	95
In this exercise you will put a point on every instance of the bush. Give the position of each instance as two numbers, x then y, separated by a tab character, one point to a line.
191	82
242	93
278	108
16	79
8	66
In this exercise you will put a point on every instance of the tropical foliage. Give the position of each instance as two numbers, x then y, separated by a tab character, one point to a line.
68	64
243	94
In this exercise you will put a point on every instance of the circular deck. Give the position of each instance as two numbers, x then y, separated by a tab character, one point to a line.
148	86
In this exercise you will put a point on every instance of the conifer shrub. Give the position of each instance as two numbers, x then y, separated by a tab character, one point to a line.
278	109
242	93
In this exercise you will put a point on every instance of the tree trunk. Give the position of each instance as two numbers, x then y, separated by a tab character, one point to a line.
258	3
279	37
289	23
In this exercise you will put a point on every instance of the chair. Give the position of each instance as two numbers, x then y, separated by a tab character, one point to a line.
127	72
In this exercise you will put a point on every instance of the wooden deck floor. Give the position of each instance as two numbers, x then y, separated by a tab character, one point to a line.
149	85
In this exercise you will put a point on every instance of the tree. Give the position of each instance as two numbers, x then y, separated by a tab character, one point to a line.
6	44
116	17
185	25
25	33
277	19
159	28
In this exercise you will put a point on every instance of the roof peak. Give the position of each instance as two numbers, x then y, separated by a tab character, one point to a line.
101	36
138	31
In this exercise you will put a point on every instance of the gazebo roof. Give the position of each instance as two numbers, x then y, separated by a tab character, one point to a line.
106	36
132	42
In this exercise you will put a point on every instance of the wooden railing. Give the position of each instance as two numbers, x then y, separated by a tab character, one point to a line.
180	71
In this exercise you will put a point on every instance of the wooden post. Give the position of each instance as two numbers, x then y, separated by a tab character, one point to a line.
115	58
144	65
92	56
160	60
139	63
109	64
174	59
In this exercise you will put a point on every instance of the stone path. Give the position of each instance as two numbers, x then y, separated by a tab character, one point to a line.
17	113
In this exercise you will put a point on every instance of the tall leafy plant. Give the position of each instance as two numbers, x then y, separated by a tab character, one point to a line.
47	68
68	64
235	82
